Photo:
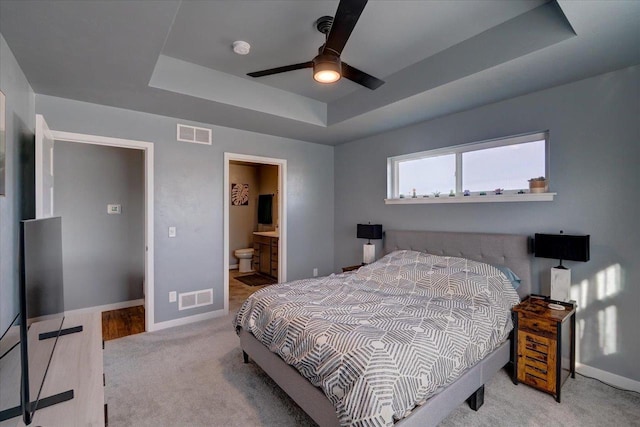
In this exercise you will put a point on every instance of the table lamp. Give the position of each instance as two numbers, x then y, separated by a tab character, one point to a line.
563	247
370	232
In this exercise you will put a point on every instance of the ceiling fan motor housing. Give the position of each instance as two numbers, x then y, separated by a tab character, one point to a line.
323	24
327	63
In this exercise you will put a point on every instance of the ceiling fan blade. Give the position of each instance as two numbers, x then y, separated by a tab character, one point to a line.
360	77
347	16
281	69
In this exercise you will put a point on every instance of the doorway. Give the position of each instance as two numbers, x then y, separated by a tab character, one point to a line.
277	231
45	139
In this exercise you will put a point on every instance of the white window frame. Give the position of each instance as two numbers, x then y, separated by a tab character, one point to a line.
393	190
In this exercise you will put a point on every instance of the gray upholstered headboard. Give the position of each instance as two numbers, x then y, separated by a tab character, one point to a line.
511	250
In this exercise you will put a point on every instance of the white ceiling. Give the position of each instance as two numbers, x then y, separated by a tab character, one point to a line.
174	57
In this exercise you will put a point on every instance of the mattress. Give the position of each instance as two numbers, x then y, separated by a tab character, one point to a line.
383	339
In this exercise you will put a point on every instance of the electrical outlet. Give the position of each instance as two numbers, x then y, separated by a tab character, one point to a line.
173	296
172	232
315	272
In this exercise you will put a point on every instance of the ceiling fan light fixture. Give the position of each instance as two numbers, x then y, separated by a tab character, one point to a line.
326	69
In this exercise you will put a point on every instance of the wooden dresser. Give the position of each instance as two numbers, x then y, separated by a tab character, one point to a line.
544	344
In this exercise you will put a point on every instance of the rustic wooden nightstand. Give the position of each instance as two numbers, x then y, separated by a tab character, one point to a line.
351	268
544	344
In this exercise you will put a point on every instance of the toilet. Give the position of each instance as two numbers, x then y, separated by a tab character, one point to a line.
244	255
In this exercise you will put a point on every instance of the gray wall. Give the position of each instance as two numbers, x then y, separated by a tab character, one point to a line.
595	148
189	195
243	220
103	254
18	203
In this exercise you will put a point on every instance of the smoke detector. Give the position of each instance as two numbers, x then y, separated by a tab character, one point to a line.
240	47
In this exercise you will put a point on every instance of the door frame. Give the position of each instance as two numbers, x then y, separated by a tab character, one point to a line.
147	148
43	133
282	214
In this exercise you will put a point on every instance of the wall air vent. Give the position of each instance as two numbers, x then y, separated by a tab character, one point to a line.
194	134
195	299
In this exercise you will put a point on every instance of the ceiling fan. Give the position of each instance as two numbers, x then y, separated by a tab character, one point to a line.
327	66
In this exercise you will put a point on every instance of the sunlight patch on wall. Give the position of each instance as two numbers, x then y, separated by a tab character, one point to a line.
608	281
596	308
579	294
607	324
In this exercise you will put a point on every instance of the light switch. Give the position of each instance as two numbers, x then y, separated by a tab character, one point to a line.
113	209
172	232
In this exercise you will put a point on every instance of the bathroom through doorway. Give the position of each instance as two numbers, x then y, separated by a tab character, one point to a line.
254	225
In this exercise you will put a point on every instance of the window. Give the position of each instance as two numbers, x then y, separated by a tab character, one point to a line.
482	167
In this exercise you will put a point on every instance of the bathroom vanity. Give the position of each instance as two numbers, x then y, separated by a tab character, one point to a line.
265	252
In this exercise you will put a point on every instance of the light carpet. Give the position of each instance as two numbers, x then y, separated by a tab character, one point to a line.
193	375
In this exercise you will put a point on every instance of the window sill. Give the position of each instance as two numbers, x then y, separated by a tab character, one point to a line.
490	198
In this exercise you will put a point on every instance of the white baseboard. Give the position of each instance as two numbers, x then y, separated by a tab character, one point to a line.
106	307
186	320
608	377
233	267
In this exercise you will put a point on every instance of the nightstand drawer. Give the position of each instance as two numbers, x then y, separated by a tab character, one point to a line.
534	343
544	344
536	382
540	365
539	326
537	361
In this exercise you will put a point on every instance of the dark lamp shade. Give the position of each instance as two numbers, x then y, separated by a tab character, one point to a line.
369	231
562	246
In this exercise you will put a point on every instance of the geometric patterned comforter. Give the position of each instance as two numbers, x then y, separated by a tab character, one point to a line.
383	339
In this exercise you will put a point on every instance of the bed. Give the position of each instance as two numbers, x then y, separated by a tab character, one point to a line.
495	249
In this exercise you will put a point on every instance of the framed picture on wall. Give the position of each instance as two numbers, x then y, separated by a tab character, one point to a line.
3	145
239	194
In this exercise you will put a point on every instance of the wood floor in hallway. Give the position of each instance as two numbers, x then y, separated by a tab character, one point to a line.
122	322
129	321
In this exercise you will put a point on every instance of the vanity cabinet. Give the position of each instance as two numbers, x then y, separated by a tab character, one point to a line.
265	255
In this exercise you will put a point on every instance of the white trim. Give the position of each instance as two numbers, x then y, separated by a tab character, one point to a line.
105	307
147	147
39	166
189	319
608	377
489	198
43	133
282	214
234	266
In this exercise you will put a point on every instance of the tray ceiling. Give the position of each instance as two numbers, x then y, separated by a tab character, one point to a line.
174	58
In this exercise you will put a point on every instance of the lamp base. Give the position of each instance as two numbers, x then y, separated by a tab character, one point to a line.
560	284
368	253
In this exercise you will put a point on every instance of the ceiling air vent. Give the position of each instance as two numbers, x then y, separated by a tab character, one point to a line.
194	134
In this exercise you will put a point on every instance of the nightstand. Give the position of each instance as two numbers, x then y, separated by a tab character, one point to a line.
544	344
351	268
